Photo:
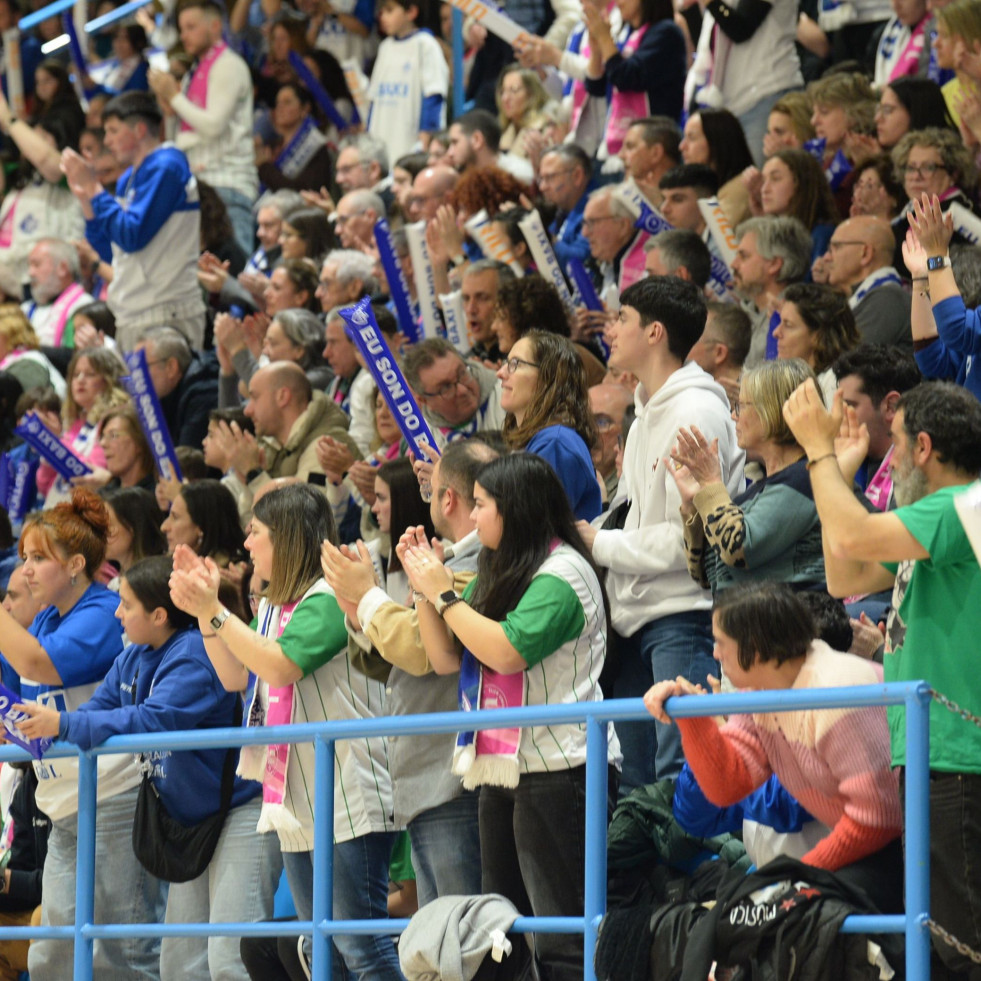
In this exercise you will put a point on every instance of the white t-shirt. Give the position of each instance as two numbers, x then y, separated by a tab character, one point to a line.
406	71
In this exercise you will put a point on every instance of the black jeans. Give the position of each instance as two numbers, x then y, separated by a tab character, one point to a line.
533	851
955	868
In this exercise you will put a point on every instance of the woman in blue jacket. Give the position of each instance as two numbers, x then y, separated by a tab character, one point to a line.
543	392
164	681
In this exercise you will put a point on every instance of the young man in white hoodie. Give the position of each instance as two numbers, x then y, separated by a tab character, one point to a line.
662	618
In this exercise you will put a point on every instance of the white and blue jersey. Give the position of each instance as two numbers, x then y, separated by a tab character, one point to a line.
151	232
408	91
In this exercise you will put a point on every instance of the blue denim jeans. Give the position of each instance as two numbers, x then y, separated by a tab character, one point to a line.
446	849
661	650
237	887
360	893
239	209
124	893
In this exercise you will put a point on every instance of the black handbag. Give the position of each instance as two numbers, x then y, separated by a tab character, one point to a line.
173	851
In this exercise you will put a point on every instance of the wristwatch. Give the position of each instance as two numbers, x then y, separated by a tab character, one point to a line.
445	600
219	619
936	262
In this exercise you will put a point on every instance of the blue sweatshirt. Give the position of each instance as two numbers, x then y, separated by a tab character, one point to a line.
770	804
161	690
567	454
82	644
954	356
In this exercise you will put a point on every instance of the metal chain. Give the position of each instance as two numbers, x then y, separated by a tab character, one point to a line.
948	938
935	928
951	705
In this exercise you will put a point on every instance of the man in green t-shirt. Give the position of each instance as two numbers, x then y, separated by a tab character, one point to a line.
936	432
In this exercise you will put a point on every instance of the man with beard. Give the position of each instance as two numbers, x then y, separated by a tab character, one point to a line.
773	252
54	271
936	434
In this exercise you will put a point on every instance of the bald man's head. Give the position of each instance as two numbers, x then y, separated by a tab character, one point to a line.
429	189
858	247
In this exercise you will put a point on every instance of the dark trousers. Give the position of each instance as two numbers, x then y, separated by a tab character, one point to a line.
533	851
955	869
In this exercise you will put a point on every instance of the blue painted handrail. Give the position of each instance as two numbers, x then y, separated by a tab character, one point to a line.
914	695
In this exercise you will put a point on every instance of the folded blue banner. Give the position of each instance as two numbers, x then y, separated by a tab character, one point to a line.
22	489
35	433
147	406
11	716
584	285
363	330
397	286
319	93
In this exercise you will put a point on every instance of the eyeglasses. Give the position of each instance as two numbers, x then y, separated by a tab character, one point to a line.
738	407
344	219
868	186
347	168
604	423
446	390
519	90
544	179
588	223
883	110
114	435
833	246
923	170
512	364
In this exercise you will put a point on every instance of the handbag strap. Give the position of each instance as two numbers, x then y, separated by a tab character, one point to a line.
231	756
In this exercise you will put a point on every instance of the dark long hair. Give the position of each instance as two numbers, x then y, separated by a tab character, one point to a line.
150	581
534	513
136	510
561	396
812	203
212	508
729	153
408	508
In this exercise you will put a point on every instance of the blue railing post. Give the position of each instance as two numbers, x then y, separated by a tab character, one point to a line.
457	62
597	790
85	866
323	857
917	792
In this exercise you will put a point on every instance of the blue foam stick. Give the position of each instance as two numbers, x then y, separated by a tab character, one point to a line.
147	406
364	332
319	93
395	277
36	434
75	47
584	285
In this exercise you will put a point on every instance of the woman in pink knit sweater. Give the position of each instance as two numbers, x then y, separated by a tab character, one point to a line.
836	762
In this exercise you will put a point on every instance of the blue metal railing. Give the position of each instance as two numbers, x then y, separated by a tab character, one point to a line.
914	695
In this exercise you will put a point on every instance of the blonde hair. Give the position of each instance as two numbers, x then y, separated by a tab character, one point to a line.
797	107
962	18
850	91
768	386
537	96
15	326
107	364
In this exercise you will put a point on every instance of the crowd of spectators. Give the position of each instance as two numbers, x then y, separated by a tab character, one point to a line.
687	294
